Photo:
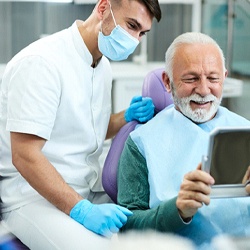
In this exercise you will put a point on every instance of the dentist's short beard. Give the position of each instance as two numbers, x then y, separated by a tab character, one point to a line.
198	115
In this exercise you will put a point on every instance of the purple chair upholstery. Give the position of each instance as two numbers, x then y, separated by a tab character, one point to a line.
111	162
154	88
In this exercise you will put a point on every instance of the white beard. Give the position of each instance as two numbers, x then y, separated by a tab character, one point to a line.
198	115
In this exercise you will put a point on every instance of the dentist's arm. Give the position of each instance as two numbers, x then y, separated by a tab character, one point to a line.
27	157
116	121
29	160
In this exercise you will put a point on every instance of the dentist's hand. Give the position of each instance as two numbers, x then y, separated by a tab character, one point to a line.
140	109
103	219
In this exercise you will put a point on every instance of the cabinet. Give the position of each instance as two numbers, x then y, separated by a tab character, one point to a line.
127	81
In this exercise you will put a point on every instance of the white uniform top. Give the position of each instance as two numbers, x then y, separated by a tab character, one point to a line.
50	90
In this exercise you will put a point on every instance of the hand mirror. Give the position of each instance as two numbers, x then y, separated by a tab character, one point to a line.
227	161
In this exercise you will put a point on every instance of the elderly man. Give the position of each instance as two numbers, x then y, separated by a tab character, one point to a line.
160	177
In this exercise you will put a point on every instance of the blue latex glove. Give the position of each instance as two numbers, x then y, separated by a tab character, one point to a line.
103	219
140	109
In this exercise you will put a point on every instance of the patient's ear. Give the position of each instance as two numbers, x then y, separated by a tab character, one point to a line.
166	81
226	73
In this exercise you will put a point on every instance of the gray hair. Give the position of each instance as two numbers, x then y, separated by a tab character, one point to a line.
188	38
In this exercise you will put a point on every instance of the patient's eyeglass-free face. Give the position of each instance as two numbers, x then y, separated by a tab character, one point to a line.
198	78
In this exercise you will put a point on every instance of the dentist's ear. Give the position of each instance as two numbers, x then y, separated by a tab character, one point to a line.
101	6
166	81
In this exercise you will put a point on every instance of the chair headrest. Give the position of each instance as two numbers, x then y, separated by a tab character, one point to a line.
153	87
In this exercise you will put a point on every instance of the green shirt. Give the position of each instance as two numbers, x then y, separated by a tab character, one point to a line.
133	193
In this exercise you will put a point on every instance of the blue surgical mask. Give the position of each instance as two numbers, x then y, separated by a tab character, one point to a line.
118	45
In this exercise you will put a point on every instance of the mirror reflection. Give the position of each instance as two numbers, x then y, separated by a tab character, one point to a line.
230	157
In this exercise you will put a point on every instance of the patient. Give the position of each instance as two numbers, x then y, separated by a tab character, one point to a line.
160	177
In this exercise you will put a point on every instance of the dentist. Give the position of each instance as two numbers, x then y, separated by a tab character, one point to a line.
55	113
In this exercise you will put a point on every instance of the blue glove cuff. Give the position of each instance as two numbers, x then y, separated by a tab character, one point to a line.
127	116
80	210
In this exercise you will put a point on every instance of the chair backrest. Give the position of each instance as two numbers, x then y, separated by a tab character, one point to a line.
152	87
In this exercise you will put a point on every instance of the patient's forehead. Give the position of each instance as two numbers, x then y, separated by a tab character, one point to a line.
197	57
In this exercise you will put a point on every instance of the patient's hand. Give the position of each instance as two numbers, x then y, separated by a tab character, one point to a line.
248	188
194	191
246	178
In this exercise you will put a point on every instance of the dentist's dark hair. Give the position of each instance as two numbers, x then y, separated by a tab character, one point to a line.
152	5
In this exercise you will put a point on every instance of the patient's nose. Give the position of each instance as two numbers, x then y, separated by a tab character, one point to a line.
203	87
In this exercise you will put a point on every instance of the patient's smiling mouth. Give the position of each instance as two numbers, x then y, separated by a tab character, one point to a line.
200	104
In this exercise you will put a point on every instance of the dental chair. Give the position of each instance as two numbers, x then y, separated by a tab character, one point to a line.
152	87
